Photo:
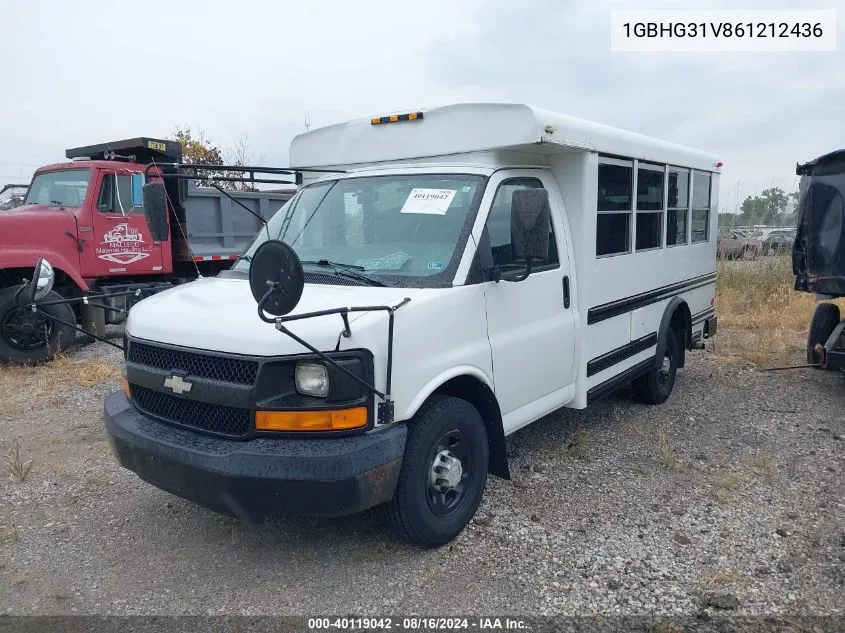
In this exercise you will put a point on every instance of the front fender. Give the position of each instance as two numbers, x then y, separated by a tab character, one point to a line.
27	257
441	379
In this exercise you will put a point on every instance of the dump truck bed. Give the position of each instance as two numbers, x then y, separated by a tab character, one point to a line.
217	227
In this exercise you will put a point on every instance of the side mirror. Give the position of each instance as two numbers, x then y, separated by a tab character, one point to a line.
276	278
155	210
137	189
530	225
42	281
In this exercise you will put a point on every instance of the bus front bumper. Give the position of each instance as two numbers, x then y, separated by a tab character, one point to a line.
259	478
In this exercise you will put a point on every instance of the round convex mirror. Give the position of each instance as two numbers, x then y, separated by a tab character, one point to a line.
276	265
43	278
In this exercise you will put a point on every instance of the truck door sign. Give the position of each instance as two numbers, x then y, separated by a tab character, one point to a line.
123	245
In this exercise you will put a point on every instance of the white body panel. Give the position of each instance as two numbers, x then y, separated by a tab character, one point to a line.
515	337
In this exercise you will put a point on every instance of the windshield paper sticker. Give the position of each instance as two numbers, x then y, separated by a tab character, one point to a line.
431	201
394	261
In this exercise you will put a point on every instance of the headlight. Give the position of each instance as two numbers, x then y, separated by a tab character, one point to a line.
312	379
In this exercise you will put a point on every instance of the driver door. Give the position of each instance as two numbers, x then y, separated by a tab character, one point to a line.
121	243
530	323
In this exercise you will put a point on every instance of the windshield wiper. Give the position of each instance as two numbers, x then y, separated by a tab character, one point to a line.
346	270
57	202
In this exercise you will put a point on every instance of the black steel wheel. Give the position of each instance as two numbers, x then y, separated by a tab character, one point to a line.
31	337
443	474
656	386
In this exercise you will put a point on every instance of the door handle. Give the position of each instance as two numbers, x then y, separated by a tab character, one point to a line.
566	291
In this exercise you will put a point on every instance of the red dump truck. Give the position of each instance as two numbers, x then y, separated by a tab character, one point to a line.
86	217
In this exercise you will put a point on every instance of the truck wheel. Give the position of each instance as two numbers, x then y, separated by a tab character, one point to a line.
443	475
825	320
32	337
655	386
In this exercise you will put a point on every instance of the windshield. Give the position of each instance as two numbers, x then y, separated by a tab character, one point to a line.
66	188
397	229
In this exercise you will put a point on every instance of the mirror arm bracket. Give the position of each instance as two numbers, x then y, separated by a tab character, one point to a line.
385	409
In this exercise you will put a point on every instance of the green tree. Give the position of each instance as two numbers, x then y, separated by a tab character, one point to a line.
764	208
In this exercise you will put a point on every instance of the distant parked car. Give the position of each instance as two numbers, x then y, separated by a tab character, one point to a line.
732	244
12	196
778	241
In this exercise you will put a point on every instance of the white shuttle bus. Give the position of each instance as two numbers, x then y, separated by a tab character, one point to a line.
441	279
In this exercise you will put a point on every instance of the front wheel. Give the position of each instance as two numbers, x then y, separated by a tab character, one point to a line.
655	386
33	337
443	475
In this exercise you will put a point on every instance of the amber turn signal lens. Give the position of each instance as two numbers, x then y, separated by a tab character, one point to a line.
332	420
126	390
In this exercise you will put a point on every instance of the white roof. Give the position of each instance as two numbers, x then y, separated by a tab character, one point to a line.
473	128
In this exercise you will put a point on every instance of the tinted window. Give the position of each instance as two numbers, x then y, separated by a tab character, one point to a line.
499	225
676	227
615	184
700	229
613	233
649	190
649	230
701	191
678	189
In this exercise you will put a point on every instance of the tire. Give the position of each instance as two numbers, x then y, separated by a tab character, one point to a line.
20	341
656	386
749	254
421	511
825	319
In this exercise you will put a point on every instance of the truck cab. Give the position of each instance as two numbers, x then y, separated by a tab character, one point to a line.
466	271
86	217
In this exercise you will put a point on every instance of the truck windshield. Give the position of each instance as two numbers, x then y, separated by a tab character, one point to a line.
66	188
399	229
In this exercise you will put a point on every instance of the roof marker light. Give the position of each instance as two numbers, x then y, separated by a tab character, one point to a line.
395	118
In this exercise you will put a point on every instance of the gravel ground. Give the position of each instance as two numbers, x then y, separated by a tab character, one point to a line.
727	499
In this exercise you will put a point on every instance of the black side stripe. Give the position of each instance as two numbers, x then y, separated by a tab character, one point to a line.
615	356
621	306
703	315
612	384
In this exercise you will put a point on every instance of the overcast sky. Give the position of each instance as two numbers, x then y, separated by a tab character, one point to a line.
81	72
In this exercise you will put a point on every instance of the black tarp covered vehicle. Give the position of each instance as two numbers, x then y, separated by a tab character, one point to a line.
818	254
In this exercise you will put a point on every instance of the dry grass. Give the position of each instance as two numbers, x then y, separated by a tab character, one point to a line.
766	467
727	488
728	577
23	386
762	320
17	465
581	449
668	459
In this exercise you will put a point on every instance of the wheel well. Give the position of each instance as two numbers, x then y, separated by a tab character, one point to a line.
681	323
484	400
64	284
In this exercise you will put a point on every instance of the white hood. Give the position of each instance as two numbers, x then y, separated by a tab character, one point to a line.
221	315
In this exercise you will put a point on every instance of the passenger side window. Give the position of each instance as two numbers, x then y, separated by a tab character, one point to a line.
112	200
650	179
676	222
700	207
499	226
615	193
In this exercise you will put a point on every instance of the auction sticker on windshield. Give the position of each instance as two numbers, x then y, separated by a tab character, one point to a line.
432	201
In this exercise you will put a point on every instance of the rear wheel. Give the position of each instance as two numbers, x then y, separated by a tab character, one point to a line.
32	337
443	475
655	386
825	320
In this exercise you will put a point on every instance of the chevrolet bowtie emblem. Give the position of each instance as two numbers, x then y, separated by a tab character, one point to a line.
177	385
